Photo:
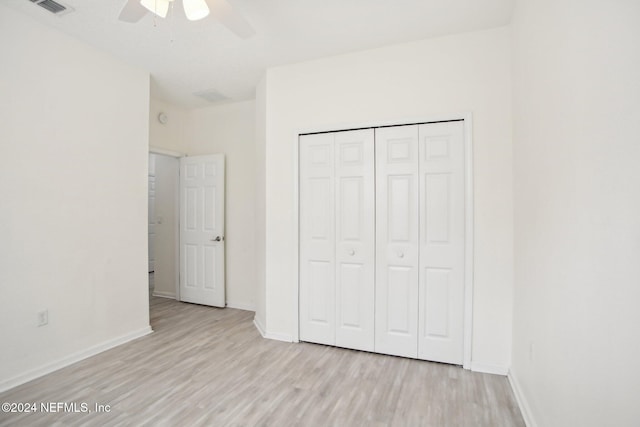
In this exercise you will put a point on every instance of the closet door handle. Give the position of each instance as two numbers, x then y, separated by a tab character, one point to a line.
400	254
352	252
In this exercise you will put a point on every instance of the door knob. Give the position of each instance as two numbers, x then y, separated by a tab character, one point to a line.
217	239
400	254
352	252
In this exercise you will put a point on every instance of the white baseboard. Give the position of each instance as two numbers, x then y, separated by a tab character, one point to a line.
71	359
525	409
271	335
486	368
161	294
259	326
278	337
230	304
241	306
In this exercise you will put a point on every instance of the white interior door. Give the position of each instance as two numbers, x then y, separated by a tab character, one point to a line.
317	239
202	230
152	212
355	239
396	309
442	238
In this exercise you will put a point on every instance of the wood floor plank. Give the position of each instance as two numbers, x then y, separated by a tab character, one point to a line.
205	366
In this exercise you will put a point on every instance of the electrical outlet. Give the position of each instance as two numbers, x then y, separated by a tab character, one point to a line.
43	317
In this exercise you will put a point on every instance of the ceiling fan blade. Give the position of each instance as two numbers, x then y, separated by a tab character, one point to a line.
132	11
234	21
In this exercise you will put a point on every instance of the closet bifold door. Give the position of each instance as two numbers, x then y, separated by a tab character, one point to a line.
317	238
442	237
396	315
337	239
355	239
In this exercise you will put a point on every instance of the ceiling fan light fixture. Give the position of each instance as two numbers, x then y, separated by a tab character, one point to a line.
195	9
159	7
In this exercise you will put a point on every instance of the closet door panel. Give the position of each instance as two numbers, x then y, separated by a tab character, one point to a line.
396	315
442	236
355	239
317	239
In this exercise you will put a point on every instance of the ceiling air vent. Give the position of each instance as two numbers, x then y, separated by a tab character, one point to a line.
54	7
212	96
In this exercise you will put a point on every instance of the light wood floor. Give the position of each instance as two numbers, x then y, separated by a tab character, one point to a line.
210	367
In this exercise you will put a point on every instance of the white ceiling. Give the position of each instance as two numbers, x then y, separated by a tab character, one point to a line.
185	57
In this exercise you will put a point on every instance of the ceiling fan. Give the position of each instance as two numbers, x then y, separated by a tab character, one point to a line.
221	10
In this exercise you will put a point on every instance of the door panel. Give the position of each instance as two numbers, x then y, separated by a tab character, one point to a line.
399	199
191	266
350	215
396	296
320	302
209	206
435	320
398	301
437	193
317	239
350	277
355	240
202	230
442	237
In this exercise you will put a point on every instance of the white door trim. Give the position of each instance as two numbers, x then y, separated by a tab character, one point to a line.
468	147
469	234
170	153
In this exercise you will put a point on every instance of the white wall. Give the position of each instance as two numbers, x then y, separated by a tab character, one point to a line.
166	228
170	135
73	185
577	211
230	129
463	73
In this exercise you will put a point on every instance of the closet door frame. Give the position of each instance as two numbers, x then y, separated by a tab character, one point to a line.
468	250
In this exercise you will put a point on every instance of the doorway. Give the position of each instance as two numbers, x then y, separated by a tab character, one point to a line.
163	224
187	256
